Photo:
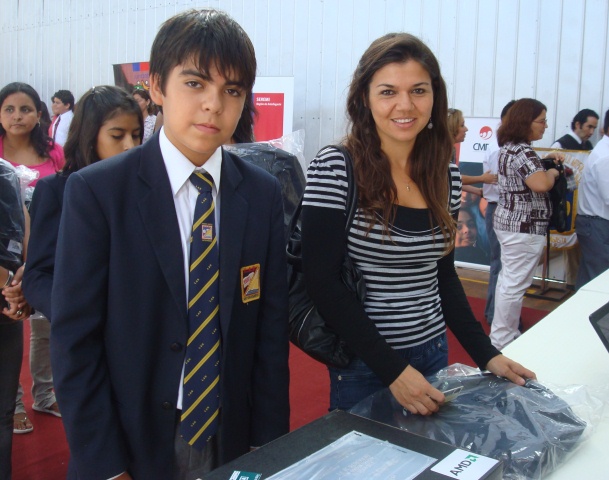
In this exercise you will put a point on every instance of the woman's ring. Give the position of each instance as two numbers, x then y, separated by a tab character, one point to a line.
19	312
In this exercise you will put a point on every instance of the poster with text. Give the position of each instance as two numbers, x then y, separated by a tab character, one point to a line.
274	101
472	248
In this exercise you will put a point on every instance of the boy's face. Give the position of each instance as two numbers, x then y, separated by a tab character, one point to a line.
200	113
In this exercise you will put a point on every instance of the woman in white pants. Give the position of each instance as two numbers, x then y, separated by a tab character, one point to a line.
523	212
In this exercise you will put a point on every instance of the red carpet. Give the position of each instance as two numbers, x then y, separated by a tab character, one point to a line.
43	454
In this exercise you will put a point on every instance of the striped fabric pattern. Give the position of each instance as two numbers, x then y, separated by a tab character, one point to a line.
400	271
201	404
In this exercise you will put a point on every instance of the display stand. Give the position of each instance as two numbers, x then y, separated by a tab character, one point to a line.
544	290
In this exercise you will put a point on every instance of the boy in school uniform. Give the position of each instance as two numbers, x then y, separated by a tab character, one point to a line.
169	340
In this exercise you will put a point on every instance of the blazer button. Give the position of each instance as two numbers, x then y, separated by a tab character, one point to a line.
176	347
166	406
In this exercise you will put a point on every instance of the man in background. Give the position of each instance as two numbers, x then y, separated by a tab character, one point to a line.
491	193
63	111
592	221
582	128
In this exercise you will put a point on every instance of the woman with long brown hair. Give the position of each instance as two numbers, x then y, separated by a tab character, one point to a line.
402	237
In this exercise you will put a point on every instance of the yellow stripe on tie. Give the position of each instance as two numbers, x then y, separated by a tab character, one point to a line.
203	255
203	360
203	325
203	217
202	291
204	178
199	400
198	434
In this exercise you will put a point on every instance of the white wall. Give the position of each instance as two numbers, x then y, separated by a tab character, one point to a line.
490	50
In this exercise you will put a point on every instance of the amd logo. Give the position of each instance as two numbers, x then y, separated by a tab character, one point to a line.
463	465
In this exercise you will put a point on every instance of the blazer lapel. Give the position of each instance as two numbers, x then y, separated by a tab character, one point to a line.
160	221
233	216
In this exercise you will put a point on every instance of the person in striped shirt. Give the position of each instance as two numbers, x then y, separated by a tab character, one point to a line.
402	237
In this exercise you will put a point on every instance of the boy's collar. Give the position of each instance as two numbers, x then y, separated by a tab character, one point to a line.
179	168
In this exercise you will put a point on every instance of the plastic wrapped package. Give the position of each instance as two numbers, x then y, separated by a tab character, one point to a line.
12	221
530	428
26	176
282	158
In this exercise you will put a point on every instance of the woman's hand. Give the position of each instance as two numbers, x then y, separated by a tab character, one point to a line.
13	293
17	313
558	157
502	366
416	394
18	309
489	178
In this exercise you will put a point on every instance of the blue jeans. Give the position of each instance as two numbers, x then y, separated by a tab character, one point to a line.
593	238
352	384
495	262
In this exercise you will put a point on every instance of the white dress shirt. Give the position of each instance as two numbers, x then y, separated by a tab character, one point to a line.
491	162
179	169
61	129
593	190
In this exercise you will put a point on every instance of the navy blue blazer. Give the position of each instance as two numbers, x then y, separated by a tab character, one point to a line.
45	214
120	316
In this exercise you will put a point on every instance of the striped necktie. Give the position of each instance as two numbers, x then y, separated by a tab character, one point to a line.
201	399
55	126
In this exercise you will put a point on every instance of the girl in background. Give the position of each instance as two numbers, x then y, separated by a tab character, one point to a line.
142	97
107	121
458	130
23	141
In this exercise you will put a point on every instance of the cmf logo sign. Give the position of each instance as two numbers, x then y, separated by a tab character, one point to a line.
486	132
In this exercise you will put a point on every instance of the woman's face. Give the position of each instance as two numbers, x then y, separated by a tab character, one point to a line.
142	102
118	134
467	233
461	132
400	98
18	114
538	127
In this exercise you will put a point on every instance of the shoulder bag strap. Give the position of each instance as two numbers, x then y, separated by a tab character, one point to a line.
351	206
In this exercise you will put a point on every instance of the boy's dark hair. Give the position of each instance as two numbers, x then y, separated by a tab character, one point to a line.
210	38
582	117
244	133
95	108
65	96
606	123
506	108
38	136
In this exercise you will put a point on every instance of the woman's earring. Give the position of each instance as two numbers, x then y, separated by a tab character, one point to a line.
430	125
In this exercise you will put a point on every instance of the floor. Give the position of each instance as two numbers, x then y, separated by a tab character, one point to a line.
475	283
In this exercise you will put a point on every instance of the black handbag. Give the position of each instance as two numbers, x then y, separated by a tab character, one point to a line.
308	330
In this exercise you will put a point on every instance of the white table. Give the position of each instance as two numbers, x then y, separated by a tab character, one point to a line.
563	349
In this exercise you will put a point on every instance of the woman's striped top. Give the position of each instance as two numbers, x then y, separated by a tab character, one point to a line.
401	271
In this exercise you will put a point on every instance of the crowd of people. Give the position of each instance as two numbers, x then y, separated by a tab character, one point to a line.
156	281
